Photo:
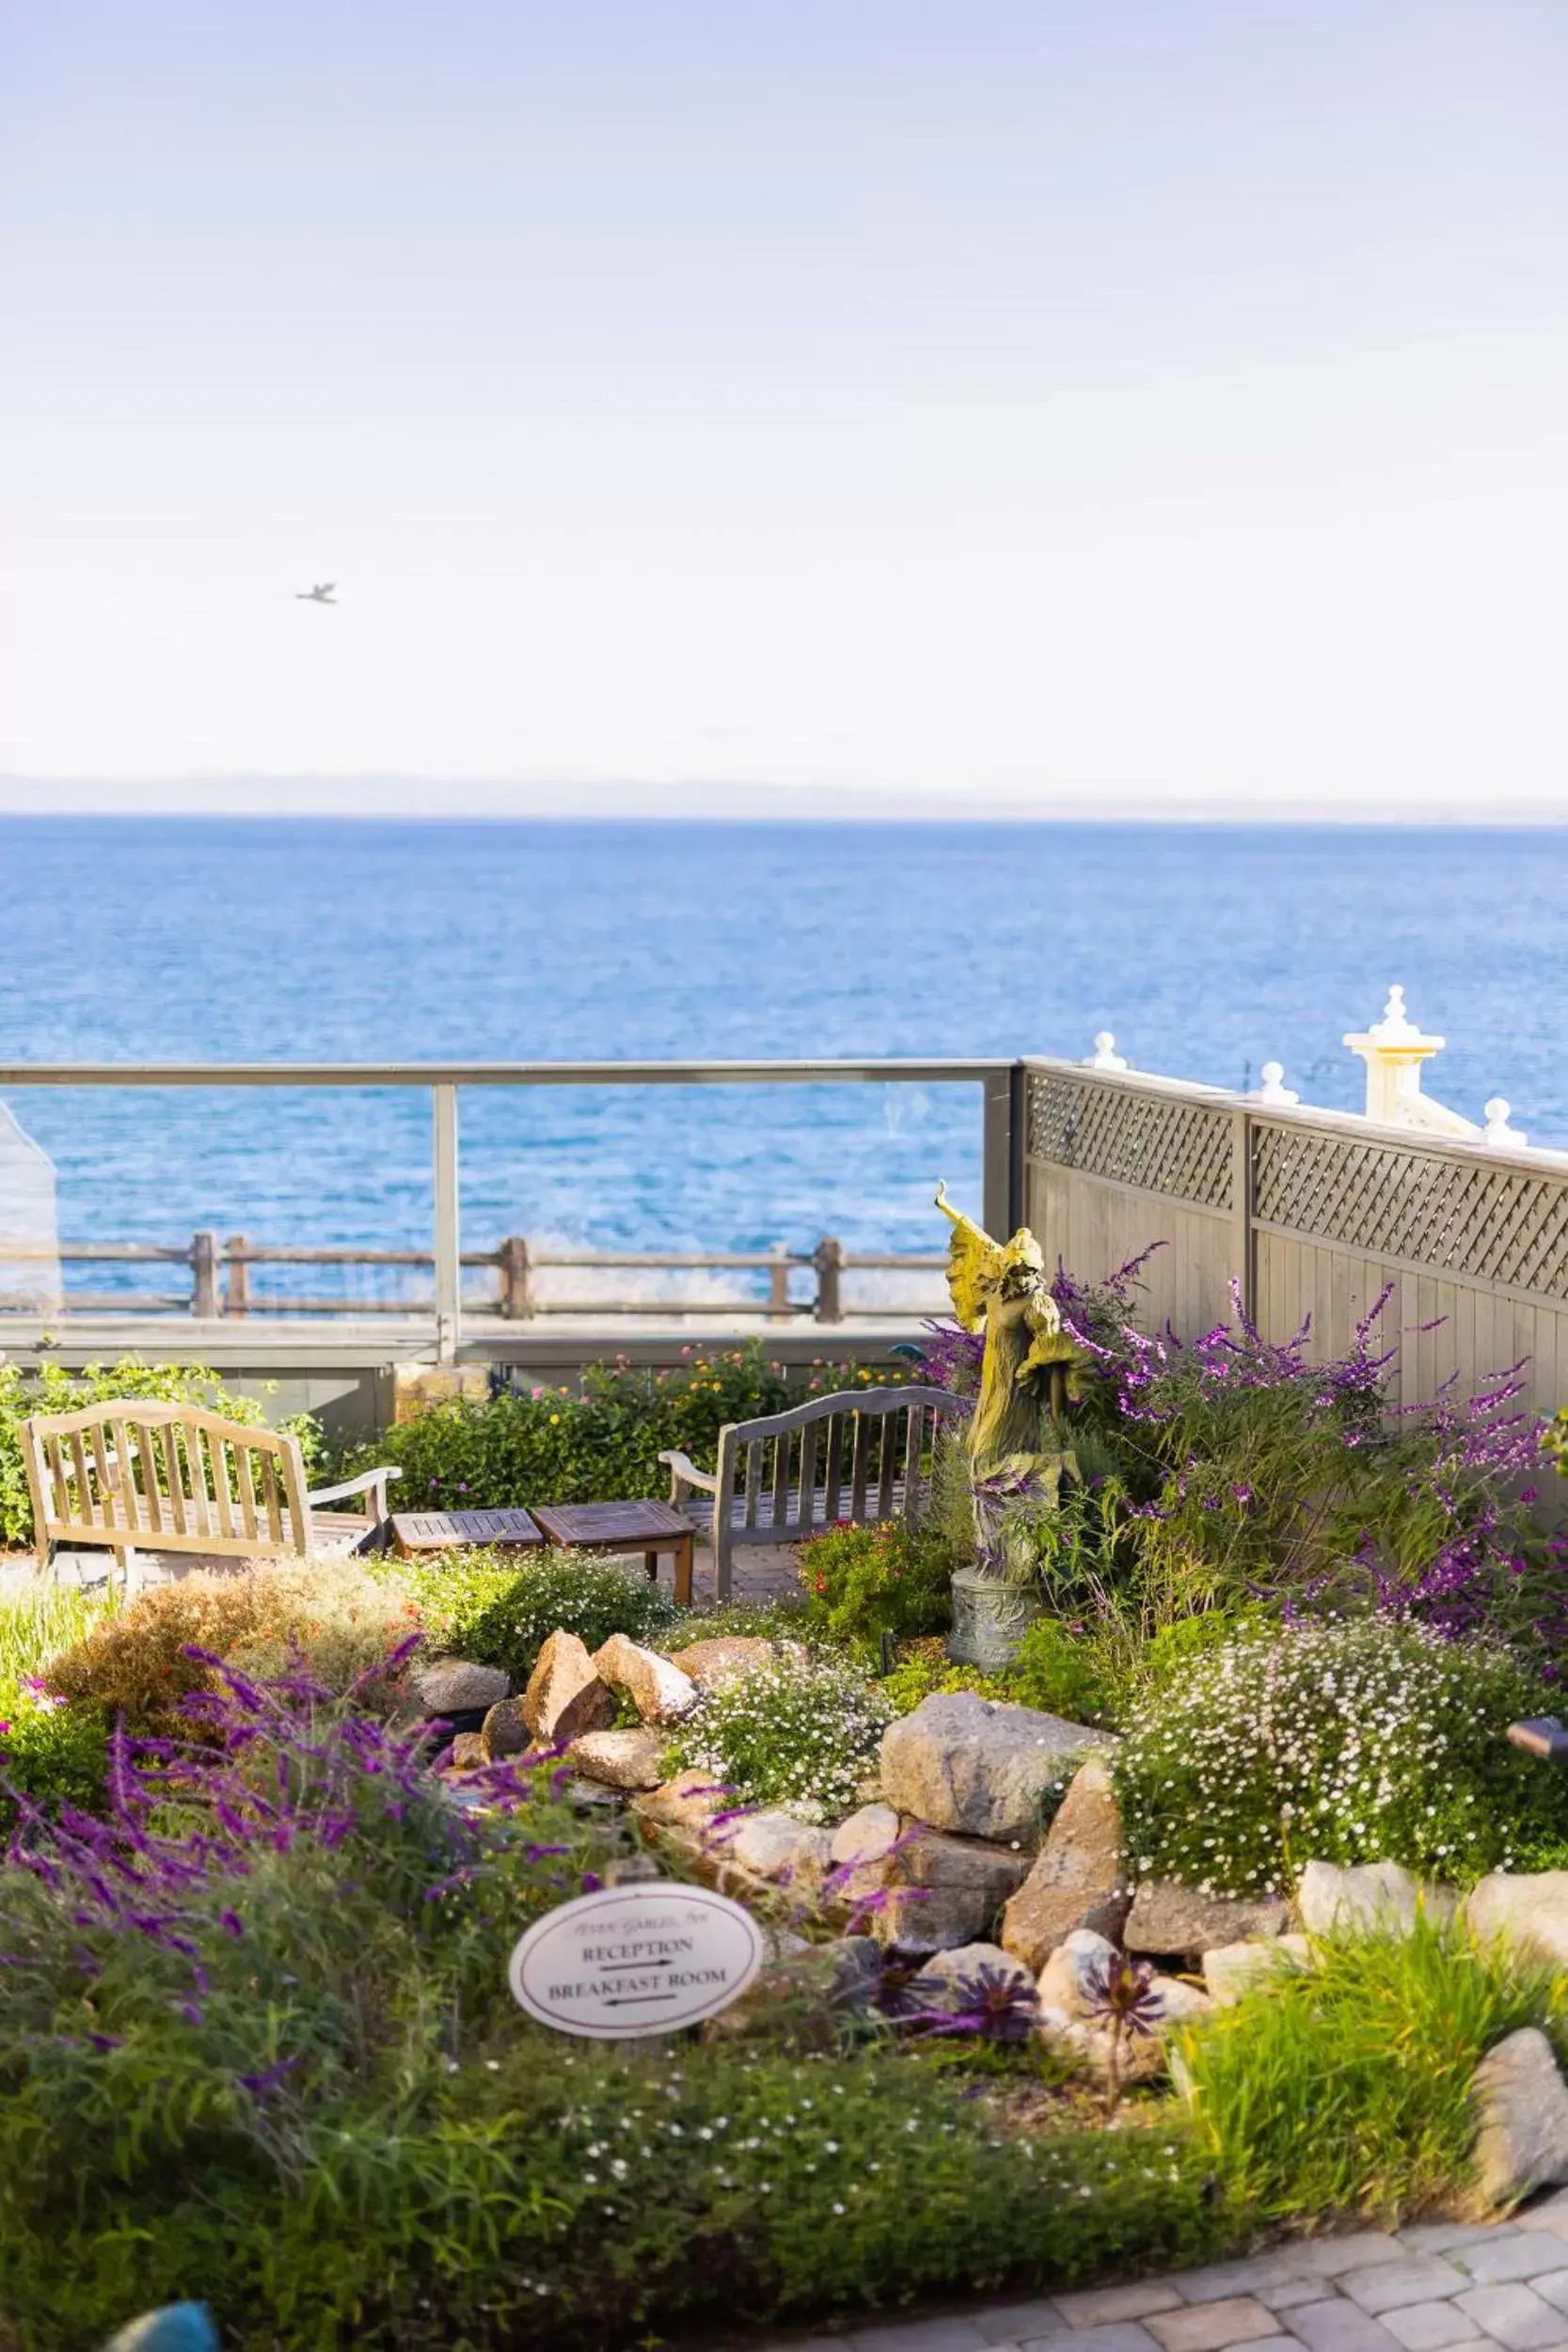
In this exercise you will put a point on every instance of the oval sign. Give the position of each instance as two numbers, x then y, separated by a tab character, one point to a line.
647	1958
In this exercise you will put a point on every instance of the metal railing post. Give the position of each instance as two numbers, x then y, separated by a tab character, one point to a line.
1004	1117
448	1241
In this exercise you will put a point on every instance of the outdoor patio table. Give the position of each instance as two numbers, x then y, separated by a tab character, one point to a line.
442	1531
649	1528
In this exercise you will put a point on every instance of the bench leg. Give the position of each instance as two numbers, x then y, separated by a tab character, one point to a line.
684	1545
650	1561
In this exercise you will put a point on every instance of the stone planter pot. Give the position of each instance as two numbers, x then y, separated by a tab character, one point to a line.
990	1619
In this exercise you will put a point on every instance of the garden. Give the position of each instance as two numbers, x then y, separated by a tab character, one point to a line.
1195	1830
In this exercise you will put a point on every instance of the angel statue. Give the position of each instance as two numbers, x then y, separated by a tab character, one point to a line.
1029	1376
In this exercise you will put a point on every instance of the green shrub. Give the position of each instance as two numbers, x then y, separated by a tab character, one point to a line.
1371	1741
802	1734
50	1755
51	1389
924	1670
488	1607
861	1582
1344	2088
1058	1671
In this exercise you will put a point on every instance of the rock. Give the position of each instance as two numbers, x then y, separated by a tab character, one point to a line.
688	1802
1077	1881
1067	1982
1089	2048
777	1847
1180	2002
503	1732
1371	1899
939	1984
661	1693
467	1751
622	1760
943	1891
723	1656
1167	1916
860	1852
1526	1910
969	1764
1232	1970
453	1686
1522	2140
565	1697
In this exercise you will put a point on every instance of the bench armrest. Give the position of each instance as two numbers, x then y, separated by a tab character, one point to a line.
369	1482
684	1476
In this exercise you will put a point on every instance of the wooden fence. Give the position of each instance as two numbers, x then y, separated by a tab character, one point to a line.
219	1285
1312	1213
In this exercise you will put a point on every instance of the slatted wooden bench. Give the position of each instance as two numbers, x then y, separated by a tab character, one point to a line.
128	1476
856	1456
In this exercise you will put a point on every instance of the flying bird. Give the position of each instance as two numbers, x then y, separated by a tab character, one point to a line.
319	593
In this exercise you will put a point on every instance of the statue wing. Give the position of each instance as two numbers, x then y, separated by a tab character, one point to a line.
1049	1344
974	1265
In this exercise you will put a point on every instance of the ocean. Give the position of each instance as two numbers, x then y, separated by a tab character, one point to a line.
1206	950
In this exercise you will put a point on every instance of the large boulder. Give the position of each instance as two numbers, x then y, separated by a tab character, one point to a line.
690	1801
659	1691
1522	2138
942	1890
566	1696
944	1982
1526	1910
633	1758
1069	1979
504	1732
1167	1916
1231	1971
976	1766
1076	1881
1369	1898
456	1686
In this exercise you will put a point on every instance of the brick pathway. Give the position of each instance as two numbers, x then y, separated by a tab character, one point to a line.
1424	2289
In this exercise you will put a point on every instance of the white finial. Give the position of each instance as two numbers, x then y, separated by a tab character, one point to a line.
1105	1056
1498	1132
1274	1088
1396	1022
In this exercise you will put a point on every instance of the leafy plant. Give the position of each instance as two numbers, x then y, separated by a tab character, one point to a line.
923	1668
491	1608
893	1578
53	1390
797	1733
1375	1739
1059	1671
1344	2087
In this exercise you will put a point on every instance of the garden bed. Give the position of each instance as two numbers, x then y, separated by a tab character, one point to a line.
1091	1965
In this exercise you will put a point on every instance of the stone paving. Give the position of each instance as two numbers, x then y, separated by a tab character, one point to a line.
1425	2289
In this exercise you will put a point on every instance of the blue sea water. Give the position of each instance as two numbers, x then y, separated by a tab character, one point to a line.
1206	950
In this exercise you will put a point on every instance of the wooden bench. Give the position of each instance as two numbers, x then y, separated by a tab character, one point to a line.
128	1476
855	1457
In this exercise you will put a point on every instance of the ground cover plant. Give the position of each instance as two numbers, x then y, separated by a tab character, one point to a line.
54	1754
797	1732
1343	2088
1373	1739
53	1390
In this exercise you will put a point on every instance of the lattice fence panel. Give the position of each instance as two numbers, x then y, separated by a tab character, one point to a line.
1157	1142
1492	1224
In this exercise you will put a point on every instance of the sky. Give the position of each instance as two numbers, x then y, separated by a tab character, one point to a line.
897	407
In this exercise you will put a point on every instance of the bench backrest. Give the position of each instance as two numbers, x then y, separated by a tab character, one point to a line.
856	1455
166	1477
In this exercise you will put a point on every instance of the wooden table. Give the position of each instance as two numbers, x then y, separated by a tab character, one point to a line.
415	1531
649	1528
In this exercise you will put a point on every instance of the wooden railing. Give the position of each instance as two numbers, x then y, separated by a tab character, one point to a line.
221	1280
